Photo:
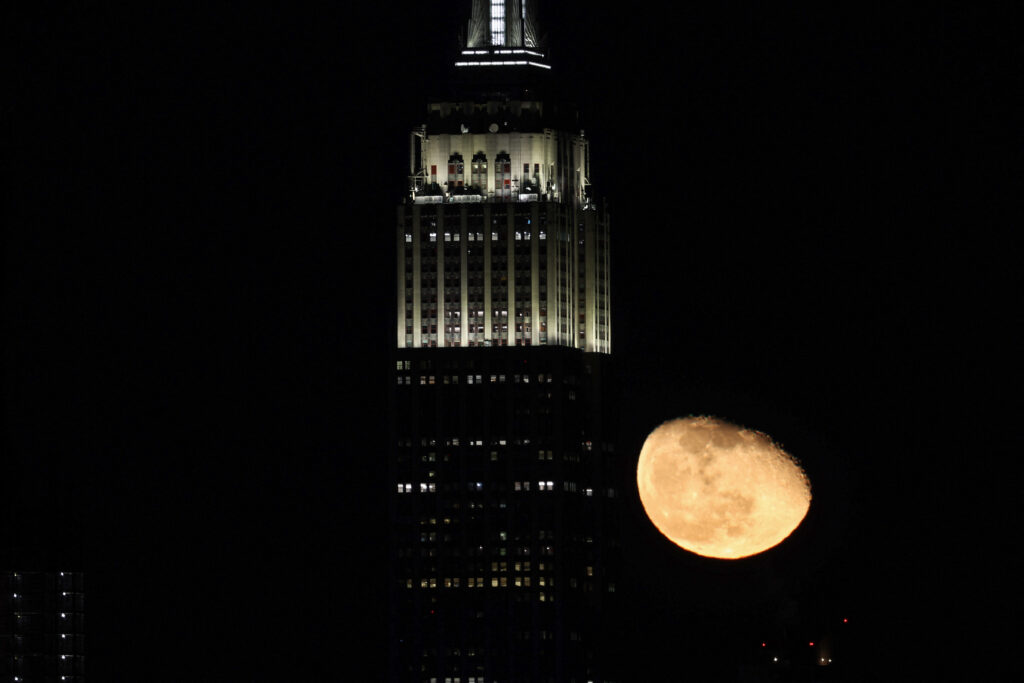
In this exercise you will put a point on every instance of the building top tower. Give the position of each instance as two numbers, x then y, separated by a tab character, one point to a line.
503	33
502	458
500	241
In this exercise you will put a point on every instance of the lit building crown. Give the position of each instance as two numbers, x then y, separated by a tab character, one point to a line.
502	33
499	240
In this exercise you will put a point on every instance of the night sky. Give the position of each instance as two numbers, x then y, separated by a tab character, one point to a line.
197	309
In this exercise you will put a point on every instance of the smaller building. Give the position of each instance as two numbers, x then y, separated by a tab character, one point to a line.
42	626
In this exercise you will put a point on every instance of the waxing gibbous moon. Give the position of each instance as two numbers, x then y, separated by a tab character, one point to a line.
719	490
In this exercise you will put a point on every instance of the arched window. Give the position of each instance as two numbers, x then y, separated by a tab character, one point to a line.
456	171
478	179
503	175
530	181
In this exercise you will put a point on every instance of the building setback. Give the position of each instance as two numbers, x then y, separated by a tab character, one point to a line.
501	456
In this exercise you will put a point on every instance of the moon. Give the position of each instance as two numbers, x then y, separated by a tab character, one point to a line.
720	490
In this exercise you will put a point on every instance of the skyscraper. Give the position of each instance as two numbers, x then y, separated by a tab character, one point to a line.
501	455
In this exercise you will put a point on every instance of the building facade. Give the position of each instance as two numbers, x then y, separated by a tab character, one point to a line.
42	627
502	459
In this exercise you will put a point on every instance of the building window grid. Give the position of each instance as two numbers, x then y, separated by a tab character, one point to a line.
520	308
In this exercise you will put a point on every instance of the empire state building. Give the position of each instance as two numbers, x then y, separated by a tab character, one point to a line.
501	460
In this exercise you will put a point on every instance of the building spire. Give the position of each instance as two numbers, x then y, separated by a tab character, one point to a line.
503	33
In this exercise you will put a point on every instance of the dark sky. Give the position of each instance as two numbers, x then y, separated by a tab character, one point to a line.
197	297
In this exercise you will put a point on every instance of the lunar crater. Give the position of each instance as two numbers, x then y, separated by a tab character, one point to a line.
720	490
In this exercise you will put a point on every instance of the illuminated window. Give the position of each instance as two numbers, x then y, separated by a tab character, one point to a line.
497	22
503	175
478	176
456	171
